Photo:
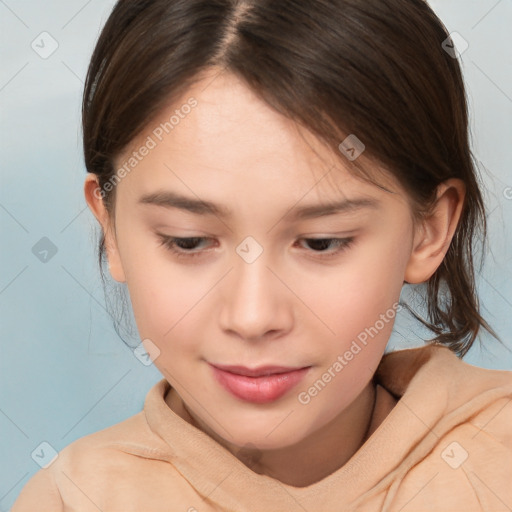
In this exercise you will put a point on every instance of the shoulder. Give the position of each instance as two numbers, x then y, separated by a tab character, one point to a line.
107	454
470	464
39	493
460	455
88	469
131	433
479	411
494	423
475	457
491	403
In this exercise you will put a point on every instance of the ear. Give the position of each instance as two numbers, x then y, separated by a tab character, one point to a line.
94	198
434	233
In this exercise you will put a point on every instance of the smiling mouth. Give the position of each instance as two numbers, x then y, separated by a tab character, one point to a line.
258	385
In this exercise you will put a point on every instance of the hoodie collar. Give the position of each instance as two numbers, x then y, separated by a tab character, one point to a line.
421	386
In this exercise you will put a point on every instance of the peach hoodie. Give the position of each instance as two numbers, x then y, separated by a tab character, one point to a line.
444	445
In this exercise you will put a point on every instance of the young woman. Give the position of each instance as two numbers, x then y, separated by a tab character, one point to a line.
267	177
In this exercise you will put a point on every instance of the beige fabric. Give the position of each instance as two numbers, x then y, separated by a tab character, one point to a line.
445	445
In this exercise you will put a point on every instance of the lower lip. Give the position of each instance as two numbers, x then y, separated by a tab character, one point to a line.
259	390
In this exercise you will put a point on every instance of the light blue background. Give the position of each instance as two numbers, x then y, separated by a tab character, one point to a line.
64	372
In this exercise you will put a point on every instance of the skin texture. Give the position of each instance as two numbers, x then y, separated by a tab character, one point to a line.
289	307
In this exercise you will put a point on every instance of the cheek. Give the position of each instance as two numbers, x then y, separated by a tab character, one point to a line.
364	286
358	301
169	311
164	302
359	304
164	294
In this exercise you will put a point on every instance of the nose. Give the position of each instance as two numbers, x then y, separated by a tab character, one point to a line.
256	303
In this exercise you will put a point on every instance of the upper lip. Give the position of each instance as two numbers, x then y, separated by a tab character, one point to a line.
256	372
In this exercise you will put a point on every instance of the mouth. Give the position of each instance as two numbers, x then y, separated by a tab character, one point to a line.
258	385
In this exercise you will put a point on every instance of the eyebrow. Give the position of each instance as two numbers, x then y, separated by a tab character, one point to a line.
170	199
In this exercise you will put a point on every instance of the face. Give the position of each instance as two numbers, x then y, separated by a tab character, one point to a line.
264	278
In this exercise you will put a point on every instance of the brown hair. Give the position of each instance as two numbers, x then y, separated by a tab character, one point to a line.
374	68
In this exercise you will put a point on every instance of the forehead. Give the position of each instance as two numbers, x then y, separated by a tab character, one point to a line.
231	141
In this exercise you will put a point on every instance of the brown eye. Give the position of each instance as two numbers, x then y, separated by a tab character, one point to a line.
182	247
319	245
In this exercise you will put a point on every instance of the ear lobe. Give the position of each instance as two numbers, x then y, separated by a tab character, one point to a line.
94	199
115	265
435	233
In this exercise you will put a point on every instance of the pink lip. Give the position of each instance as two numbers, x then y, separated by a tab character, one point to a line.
258	385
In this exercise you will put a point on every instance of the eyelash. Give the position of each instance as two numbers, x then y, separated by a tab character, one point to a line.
170	243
